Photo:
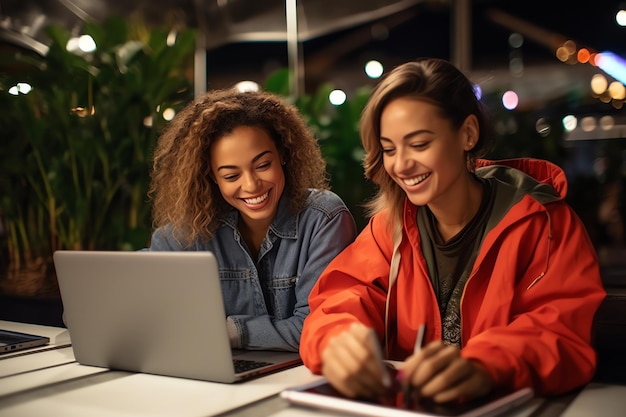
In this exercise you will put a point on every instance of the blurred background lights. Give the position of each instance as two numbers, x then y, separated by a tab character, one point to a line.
607	122
599	84
337	97
82	44
613	65
543	127
570	47
244	86
567	52
510	100
516	66
72	45
171	38
478	91
516	40
583	55
562	54
588	124
86	43
169	113
617	91
20	88
570	122
620	17
374	69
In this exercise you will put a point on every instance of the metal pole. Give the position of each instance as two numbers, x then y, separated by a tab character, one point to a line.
462	34
200	54
199	66
293	49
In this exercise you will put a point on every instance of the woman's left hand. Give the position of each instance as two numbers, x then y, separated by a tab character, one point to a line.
439	372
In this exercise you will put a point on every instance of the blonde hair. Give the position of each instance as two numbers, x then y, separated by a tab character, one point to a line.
432	80
182	191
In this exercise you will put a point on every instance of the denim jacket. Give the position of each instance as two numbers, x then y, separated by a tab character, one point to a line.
267	299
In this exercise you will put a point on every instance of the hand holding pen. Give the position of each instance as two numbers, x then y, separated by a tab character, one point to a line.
407	391
352	362
439	372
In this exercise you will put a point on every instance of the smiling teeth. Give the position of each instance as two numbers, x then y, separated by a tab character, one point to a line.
256	200
416	180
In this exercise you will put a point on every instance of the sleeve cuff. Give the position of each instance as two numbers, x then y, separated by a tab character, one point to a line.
233	334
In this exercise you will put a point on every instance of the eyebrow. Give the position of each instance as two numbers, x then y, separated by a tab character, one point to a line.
256	158
409	135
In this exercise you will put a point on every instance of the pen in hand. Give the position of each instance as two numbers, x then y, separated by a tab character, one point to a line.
386	378
419	341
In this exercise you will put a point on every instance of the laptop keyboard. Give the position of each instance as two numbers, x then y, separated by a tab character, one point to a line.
243	365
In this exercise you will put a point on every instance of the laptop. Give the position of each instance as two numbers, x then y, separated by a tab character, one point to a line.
154	312
11	341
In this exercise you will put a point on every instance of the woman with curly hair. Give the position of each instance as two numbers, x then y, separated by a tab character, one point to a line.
239	174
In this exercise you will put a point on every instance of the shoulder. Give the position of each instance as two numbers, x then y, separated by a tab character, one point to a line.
164	238
324	201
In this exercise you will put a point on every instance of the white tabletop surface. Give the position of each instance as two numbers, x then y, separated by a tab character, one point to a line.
48	381
113	393
600	400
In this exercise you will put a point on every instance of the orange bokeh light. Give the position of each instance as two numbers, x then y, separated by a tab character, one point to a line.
583	55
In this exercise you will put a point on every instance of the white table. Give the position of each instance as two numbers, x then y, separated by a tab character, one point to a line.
48	381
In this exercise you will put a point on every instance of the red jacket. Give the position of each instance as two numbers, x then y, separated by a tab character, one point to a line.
528	305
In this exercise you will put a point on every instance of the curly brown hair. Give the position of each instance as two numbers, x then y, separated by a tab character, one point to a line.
432	80
182	191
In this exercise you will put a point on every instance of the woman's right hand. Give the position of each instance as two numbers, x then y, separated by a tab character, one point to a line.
353	365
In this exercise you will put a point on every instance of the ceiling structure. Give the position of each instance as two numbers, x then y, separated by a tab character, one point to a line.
332	35
220	21
230	21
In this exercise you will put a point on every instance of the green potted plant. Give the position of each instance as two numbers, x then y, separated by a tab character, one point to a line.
75	158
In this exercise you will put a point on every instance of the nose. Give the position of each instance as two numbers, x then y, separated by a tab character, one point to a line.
250	181
402	162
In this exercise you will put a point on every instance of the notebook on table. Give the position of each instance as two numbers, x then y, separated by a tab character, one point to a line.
154	312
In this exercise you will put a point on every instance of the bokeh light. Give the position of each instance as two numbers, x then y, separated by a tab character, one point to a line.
510	100
337	97
244	86
516	40
543	127
588	123
374	69
617	90
599	84
570	122
169	113
86	44
607	122
620	17
20	88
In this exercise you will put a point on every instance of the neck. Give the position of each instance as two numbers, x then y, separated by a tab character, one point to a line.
453	216
253	234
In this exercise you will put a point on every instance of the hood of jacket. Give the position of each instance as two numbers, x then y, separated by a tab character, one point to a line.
543	180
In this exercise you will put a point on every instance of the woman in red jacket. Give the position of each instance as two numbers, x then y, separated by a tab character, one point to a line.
486	253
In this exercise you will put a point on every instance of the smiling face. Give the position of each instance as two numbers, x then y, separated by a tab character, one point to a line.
424	154
247	168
